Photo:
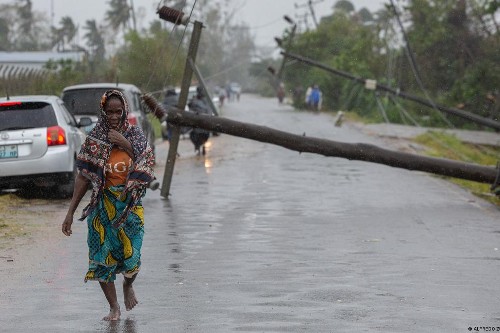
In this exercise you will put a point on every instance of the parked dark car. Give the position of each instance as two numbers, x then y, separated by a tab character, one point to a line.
39	142
83	100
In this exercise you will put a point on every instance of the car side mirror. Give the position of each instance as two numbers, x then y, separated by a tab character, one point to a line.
84	121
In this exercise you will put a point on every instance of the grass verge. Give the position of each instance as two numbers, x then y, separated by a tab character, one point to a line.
9	228
449	146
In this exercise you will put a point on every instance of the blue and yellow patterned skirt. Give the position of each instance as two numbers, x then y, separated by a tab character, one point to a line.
114	250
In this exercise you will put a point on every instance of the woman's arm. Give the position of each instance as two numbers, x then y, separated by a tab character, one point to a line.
118	139
81	185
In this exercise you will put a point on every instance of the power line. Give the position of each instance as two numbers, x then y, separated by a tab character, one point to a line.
413	65
178	46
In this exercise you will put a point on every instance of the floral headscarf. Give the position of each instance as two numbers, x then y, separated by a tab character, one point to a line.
96	150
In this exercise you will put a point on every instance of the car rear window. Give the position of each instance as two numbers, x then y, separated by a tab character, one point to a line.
83	101
26	115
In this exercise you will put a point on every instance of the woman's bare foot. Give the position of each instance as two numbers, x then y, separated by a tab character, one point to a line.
114	314
129	296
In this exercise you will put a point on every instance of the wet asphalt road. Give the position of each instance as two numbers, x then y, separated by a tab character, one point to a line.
257	238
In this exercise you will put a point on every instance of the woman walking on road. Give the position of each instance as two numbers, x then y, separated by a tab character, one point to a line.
118	161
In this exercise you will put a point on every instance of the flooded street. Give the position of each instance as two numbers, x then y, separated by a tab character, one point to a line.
258	238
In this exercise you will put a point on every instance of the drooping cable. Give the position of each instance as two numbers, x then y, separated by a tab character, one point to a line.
354	87
431	134
163	50
381	108
413	65
167	78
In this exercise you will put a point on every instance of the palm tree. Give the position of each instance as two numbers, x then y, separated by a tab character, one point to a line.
95	41
57	38
345	6
25	16
4	35
118	15
68	29
365	15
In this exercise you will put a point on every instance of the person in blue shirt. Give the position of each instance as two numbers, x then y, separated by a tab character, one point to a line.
314	100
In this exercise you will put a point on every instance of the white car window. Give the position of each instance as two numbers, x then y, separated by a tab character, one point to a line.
67	116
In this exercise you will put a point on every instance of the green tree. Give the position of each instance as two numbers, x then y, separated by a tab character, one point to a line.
452	47
69	29
94	40
118	16
8	13
351	47
146	60
57	38
95	47
64	35
4	35
344	6
26	39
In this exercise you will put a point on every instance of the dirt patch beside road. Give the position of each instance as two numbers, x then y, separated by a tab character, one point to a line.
28	221
14	220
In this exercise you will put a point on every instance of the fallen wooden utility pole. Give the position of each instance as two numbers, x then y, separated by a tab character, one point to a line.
303	144
456	112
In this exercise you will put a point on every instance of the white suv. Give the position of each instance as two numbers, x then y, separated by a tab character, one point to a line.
39	141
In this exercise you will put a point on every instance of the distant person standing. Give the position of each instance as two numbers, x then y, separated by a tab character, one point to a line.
222	96
229	94
315	99
308	94
199	136
281	93
171	99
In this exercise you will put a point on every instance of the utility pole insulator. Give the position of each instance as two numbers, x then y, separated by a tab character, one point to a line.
172	15
155	107
371	84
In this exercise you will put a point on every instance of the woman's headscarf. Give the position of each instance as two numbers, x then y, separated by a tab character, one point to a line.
96	150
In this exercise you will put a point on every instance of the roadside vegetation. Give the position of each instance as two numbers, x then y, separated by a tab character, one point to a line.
449	57
449	146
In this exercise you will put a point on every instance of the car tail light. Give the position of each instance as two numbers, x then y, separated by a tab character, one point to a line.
132	119
10	103
56	136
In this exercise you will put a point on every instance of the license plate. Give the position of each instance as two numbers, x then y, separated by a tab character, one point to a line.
9	151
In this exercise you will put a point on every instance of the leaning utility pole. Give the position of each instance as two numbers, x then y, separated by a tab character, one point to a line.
177	17
287	48
310	4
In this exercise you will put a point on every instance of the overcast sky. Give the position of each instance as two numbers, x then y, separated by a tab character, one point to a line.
265	17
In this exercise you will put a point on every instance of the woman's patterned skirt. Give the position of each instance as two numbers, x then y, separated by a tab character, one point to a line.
114	250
